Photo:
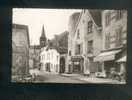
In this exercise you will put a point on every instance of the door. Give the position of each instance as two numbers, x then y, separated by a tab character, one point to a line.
62	65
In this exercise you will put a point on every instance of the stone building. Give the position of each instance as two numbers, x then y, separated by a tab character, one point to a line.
34	51
57	48
49	59
43	39
60	43
114	30
71	28
34	56
86	42
20	50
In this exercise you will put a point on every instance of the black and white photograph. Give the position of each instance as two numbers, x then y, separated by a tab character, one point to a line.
87	46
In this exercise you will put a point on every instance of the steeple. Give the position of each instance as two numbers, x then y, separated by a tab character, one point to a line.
43	33
43	39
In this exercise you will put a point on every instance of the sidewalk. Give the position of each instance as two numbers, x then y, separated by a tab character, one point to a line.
92	79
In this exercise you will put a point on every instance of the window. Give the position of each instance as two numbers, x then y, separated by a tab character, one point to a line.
107	41
48	56
107	19
83	21
118	36
90	47
43	56
78	49
84	10
52	54
57	58
69	53
90	25
119	14
78	34
40	57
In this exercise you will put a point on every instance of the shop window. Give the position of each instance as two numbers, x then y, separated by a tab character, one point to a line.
90	25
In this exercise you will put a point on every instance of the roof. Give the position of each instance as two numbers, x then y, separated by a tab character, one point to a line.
73	21
123	59
96	15
43	33
106	56
19	26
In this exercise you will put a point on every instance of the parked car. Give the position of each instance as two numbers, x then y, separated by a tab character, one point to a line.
100	74
87	73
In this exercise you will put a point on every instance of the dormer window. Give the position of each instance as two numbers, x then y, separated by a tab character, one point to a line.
90	25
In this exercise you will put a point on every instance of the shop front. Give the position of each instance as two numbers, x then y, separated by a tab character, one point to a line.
108	61
121	61
77	64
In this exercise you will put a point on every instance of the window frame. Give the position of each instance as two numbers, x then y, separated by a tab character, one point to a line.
119	14
90	46
90	26
78	34
107	40
107	19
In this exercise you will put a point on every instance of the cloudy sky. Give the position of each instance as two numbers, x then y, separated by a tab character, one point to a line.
55	21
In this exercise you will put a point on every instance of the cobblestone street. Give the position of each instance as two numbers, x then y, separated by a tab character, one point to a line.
56	78
47	77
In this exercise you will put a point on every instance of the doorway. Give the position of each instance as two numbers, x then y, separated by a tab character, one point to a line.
62	65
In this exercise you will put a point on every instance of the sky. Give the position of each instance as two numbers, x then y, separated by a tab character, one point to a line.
55	21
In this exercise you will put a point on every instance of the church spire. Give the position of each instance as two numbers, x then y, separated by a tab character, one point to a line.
43	32
43	39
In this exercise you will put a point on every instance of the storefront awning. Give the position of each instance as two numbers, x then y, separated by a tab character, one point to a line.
106	56
122	59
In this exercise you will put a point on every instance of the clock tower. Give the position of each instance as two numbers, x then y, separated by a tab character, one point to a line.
43	39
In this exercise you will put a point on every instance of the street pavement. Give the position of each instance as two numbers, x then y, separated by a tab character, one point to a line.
48	77
56	78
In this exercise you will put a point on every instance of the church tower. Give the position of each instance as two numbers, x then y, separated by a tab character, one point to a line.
43	39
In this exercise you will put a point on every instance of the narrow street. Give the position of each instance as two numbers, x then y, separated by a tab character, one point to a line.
56	78
47	77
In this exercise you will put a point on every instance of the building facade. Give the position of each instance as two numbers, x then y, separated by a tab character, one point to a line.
34	56
86	43
20	50
114	29
60	43
71	28
49	59
35	50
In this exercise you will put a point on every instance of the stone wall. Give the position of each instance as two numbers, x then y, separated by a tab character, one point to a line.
113	26
20	54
